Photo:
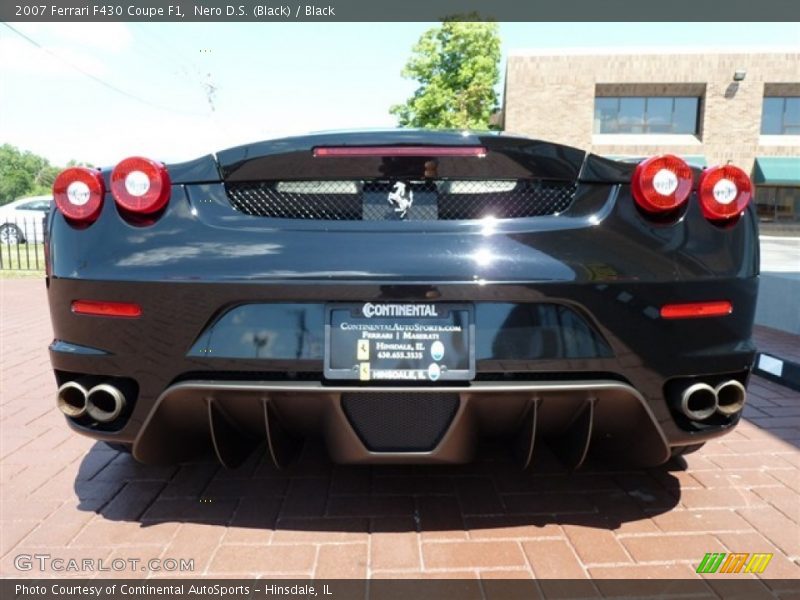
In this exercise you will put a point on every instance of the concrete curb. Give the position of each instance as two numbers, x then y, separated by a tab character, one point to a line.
779	370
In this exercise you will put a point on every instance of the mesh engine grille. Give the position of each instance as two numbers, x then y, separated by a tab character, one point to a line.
400	422
431	200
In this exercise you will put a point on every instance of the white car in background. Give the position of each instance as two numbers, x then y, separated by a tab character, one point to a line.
22	220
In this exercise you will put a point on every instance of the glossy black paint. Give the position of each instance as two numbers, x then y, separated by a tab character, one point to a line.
504	331
506	158
602	260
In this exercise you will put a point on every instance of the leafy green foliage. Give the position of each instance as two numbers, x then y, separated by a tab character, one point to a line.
457	67
18	172
25	174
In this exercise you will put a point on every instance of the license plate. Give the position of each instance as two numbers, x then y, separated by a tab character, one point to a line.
423	342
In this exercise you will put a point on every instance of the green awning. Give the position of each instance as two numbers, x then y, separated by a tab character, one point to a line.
777	170
695	160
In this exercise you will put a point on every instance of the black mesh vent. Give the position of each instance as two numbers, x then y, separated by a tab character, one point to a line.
400	422
525	199
267	199
430	200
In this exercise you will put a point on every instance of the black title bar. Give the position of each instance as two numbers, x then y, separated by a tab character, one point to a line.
397	10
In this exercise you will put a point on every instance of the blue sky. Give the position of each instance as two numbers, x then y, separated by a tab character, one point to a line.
269	79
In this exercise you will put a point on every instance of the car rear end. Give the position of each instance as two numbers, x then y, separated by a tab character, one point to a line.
403	294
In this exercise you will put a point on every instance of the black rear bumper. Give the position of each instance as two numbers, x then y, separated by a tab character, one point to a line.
204	332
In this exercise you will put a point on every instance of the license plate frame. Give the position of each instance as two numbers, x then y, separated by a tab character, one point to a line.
388	340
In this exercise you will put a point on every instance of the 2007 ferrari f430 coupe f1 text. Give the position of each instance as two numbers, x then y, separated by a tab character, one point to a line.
402	294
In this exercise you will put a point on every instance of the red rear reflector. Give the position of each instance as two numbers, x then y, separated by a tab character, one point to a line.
661	183
140	185
78	194
724	192
106	309
693	310
354	151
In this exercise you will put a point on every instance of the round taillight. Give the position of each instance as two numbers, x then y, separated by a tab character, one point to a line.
78	194
724	192
661	184
140	185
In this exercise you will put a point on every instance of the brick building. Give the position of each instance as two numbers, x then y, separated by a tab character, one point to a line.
708	106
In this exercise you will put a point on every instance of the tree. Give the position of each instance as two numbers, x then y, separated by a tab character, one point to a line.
456	65
25	173
18	171
46	177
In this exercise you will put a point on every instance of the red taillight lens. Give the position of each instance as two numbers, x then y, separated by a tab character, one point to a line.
694	310
78	194
724	192
424	151
140	185
98	308
661	183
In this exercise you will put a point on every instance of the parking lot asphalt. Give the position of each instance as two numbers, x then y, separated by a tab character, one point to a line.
66	496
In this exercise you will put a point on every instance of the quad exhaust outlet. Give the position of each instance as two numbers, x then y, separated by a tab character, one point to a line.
700	401
730	397
71	399
102	403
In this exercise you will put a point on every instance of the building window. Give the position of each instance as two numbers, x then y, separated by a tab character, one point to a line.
646	114
781	115
778	203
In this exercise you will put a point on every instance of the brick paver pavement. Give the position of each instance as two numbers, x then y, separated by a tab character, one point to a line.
69	497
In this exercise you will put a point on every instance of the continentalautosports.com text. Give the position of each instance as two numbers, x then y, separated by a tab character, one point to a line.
50	563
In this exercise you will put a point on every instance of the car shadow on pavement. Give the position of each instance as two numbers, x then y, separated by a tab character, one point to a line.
483	498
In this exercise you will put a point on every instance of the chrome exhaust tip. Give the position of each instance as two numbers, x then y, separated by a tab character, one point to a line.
71	399
730	397
104	403
699	401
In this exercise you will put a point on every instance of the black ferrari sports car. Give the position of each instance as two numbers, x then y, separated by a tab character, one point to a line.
402	294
